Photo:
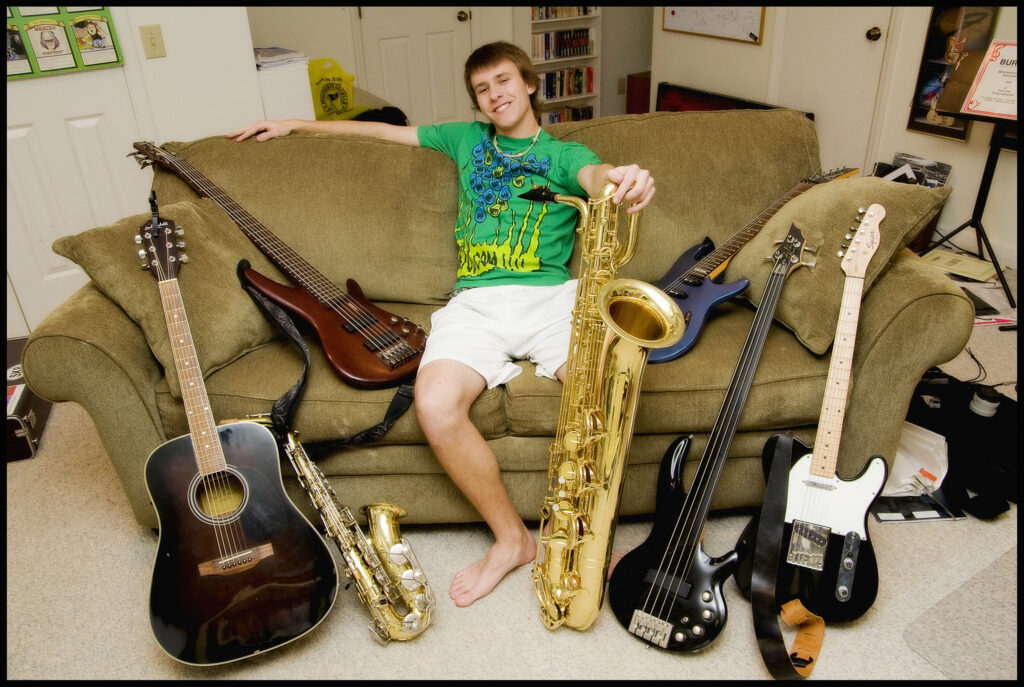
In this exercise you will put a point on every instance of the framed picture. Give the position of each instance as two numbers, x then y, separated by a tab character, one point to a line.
955	36
743	24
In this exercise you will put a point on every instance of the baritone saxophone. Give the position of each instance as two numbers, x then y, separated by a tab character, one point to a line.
615	324
387	575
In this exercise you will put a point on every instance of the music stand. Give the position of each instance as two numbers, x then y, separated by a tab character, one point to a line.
950	103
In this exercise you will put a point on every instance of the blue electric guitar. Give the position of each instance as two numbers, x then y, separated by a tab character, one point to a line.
693	282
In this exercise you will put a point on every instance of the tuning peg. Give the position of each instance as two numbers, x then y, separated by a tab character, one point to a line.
811	249
180	244
179	231
809	263
183	258
142	253
138	239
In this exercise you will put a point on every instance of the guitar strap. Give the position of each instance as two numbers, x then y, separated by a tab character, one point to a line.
799	661
283	409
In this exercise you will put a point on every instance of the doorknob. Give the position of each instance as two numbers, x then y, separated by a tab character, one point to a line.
463	15
873	34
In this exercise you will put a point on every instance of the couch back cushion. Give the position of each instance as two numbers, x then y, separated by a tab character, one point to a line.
352	207
714	171
223	320
383	213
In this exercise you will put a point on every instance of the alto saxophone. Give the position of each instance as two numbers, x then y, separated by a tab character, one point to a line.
615	324
389	579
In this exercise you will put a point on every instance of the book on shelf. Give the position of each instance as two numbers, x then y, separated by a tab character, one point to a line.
560	12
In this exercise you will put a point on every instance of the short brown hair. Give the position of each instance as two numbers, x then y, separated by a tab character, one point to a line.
491	54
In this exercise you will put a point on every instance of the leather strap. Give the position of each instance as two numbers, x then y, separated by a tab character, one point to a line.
799	661
284	408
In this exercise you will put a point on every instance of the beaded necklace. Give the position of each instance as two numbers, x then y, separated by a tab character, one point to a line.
494	142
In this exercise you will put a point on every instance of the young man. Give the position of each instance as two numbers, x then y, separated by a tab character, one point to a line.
513	298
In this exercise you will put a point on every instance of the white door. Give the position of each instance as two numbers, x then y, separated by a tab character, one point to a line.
67	138
830	46
414	58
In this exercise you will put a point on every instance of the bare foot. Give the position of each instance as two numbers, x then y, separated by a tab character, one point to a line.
479	579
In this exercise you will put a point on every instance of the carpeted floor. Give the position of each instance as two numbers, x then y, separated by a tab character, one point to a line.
78	575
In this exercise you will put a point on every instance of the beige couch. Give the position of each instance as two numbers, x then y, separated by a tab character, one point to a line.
382	214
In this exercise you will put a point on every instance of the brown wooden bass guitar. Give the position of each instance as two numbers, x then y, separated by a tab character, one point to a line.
367	346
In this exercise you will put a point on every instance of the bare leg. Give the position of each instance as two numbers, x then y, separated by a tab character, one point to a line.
445	389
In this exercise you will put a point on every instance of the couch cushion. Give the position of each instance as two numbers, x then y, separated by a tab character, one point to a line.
378	212
825	214
224	321
686	394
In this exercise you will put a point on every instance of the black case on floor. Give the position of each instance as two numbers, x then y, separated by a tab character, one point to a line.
26	412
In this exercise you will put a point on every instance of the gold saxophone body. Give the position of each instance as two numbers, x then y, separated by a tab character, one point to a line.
388	577
615	324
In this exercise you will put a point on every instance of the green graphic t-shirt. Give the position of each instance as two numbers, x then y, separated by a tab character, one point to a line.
503	239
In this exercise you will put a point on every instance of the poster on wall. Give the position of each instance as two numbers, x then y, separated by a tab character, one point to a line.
57	40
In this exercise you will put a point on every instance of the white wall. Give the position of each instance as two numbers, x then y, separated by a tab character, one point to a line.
205	86
745	71
625	50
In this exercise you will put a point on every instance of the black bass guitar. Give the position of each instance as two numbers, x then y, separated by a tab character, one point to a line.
667	591
827	560
238	569
367	346
693	282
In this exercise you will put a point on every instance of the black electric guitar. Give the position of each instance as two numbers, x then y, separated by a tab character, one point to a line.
826	559
367	346
693	281
667	591
238	569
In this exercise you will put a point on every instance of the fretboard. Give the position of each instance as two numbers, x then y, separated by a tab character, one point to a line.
201	425
286	259
710	262
837	387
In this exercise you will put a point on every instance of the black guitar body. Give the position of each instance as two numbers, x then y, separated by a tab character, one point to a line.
815	589
258	578
694	607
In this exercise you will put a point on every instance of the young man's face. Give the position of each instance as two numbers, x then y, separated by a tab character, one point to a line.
504	98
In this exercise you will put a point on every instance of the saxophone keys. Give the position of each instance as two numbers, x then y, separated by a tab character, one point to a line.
399	553
411	579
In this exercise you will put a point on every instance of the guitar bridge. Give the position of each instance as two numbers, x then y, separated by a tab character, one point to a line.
807	545
654	630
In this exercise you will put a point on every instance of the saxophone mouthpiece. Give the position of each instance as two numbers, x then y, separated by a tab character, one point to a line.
541	193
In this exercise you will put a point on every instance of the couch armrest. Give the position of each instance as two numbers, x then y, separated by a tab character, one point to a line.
913	318
90	352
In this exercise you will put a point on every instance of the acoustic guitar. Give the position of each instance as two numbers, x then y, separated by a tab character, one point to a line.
238	569
367	346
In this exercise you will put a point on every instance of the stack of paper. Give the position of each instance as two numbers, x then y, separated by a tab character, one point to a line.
268	58
920	465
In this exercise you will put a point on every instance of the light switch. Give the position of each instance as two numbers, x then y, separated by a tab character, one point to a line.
152	41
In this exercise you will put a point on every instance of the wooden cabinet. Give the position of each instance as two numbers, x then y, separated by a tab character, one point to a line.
566	54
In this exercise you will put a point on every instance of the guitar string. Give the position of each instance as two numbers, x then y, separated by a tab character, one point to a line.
228	539
708	263
694	513
366	323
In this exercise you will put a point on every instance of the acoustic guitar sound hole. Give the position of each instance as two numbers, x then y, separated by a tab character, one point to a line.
219	497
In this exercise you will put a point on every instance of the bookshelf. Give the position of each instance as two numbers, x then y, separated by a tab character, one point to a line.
565	50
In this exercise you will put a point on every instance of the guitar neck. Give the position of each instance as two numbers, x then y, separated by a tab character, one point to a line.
205	441
286	259
837	386
712	261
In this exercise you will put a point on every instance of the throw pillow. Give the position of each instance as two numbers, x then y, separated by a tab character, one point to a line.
825	214
224	321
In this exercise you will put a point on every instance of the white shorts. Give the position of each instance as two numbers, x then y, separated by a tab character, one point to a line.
488	327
